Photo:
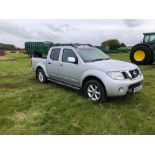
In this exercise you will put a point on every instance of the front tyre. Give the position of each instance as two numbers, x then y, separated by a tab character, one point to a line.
41	76
95	91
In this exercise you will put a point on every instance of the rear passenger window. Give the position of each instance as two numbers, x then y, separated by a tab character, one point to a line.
55	54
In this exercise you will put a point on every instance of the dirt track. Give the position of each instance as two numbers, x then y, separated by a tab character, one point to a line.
4	58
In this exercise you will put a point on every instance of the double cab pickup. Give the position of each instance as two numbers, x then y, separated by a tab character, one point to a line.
84	67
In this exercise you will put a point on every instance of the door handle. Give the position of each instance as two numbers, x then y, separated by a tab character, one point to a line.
49	63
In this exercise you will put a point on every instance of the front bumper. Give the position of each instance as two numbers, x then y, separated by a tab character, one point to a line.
123	87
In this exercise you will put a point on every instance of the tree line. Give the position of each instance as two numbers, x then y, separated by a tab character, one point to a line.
112	44
7	47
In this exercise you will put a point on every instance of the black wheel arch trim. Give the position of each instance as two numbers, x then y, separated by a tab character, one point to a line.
39	67
92	77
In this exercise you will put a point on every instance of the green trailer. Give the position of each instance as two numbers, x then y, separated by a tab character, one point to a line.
144	53
38	48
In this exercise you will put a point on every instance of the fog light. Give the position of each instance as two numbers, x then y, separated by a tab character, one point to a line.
121	89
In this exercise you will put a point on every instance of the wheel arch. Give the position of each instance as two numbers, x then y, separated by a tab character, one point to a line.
92	77
41	66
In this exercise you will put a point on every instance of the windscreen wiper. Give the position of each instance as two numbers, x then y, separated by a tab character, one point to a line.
97	60
107	58
100	59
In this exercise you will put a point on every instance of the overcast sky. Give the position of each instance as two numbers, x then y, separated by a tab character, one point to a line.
69	31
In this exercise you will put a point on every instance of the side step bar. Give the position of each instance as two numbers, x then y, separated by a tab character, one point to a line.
65	84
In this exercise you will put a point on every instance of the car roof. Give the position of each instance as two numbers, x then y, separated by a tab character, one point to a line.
76	46
149	33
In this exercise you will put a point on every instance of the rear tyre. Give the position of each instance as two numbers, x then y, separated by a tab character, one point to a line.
95	91
41	76
141	55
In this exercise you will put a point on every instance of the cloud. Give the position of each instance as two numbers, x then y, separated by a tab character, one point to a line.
54	28
26	32
8	28
61	28
133	22
90	31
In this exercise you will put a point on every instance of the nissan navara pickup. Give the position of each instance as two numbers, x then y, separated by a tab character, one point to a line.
85	67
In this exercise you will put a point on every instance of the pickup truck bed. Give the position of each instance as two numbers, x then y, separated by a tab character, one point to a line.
38	61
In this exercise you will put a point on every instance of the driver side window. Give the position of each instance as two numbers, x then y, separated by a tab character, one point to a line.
68	53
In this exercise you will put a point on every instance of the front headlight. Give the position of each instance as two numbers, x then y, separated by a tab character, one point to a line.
116	75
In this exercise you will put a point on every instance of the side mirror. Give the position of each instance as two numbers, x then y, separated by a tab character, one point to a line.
71	60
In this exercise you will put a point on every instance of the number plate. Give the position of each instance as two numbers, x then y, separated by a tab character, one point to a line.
137	89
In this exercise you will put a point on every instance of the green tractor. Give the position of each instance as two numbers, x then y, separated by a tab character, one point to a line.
144	53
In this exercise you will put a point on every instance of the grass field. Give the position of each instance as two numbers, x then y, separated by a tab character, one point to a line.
28	107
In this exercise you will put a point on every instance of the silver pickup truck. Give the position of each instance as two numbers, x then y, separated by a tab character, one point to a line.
84	67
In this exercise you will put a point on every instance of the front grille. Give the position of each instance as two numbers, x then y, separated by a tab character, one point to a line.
134	73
